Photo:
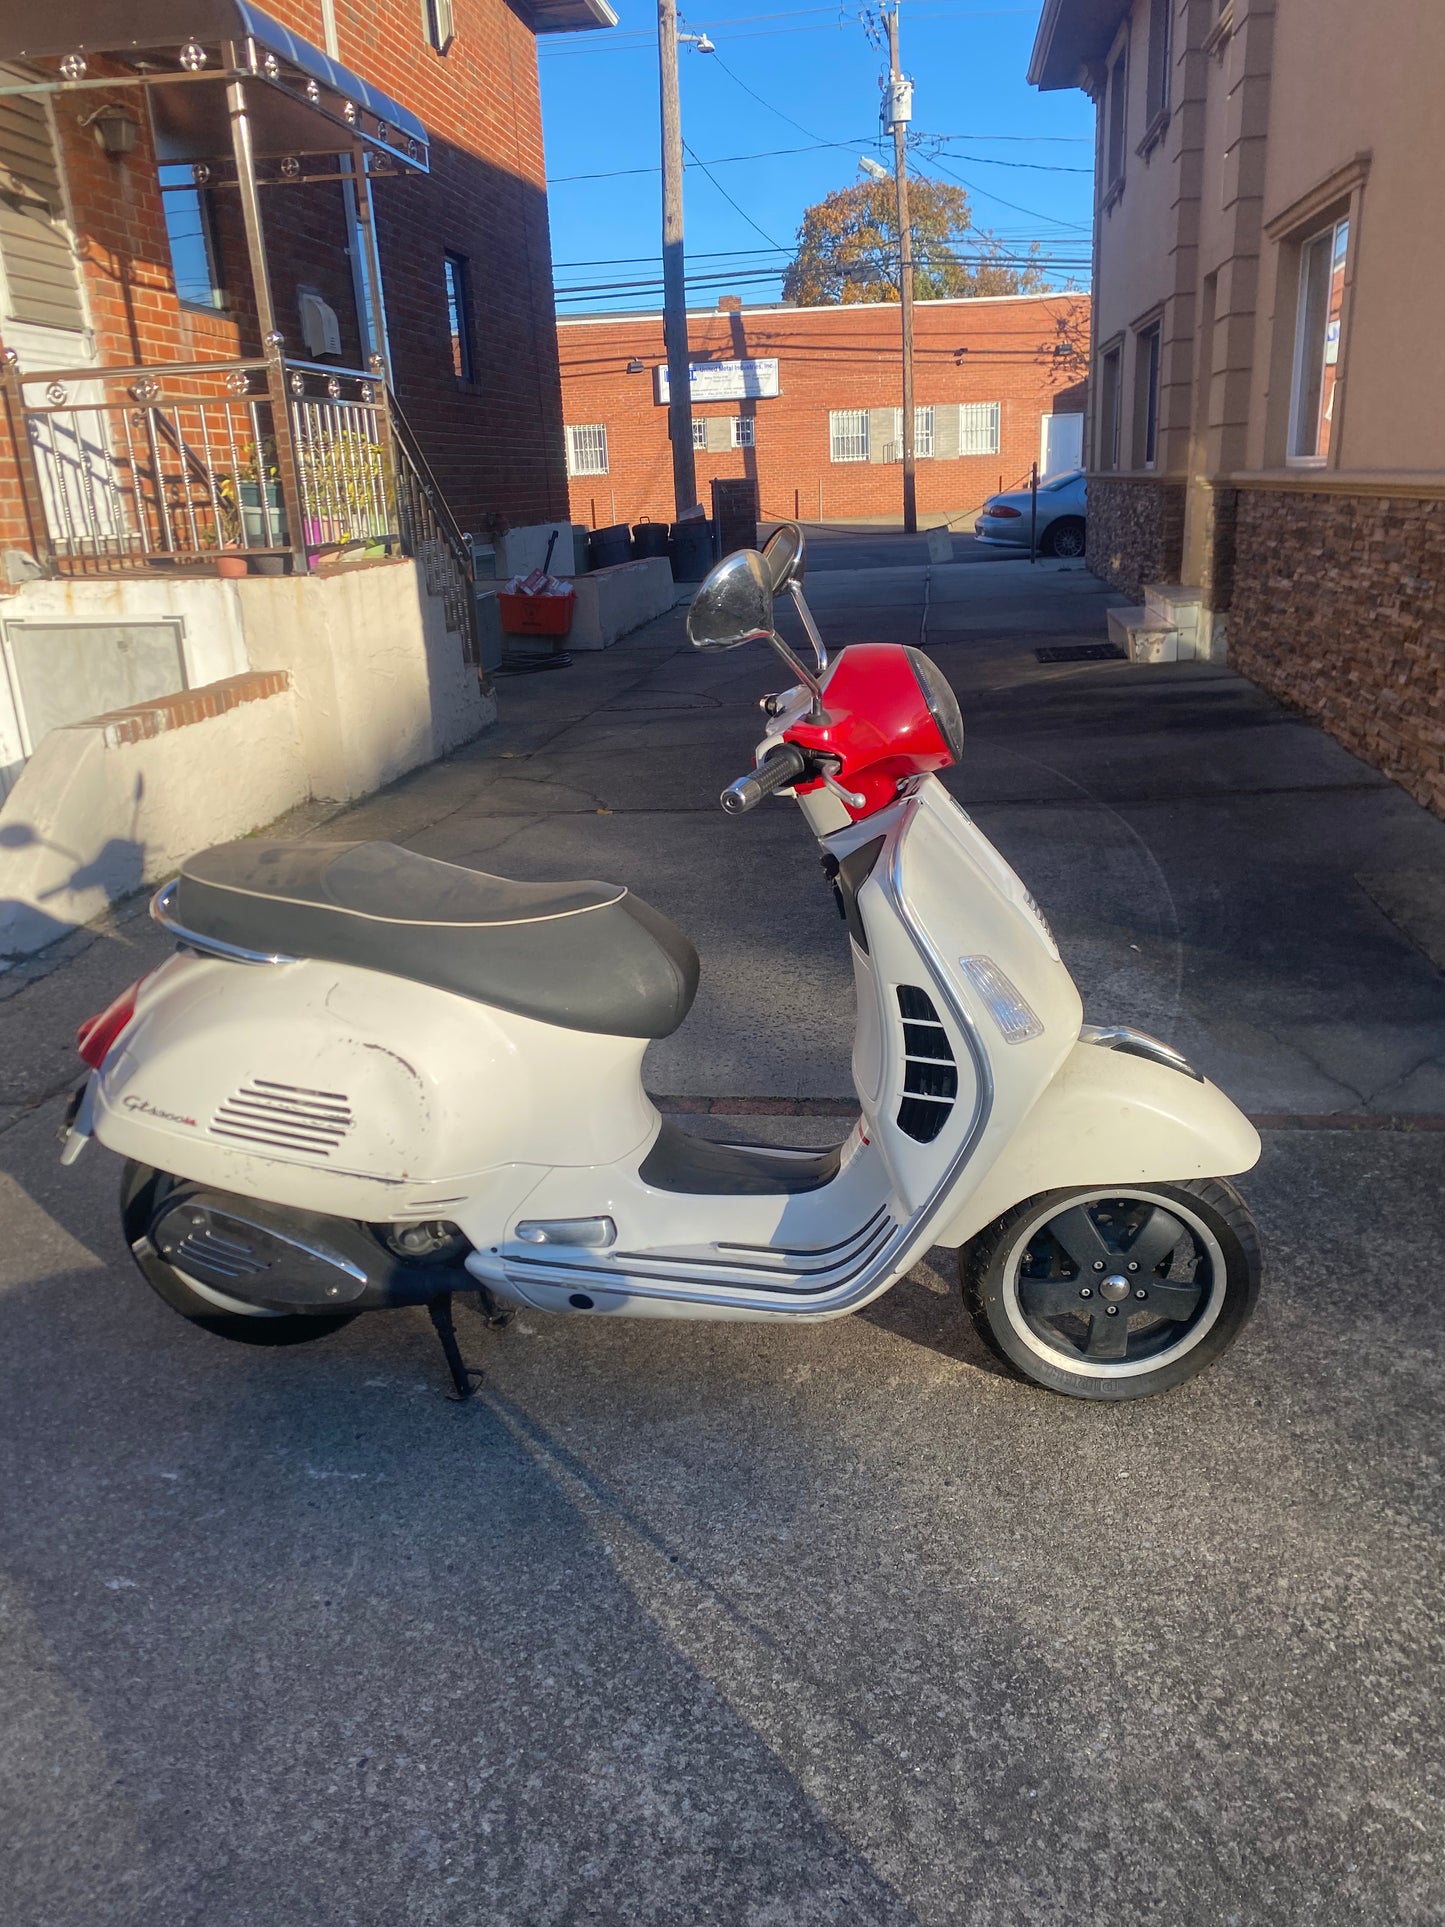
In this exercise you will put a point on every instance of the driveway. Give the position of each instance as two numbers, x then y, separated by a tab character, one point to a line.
692	1626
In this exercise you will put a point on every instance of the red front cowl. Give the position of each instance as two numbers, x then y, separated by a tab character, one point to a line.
879	725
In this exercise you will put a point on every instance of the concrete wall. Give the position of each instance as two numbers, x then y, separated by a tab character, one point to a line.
107	806
380	682
353	679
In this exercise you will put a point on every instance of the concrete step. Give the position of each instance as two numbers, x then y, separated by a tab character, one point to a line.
1174	604
1142	638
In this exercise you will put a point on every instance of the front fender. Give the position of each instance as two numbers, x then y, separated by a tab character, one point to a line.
1108	1118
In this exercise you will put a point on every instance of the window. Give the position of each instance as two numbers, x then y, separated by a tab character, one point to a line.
743	427
1317	342
459	321
922	432
848	433
192	236
1146	395
1109	375
1116	114
978	426
437	23
587	449
699	432
1161	46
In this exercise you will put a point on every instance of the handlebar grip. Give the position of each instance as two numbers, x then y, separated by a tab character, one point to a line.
778	770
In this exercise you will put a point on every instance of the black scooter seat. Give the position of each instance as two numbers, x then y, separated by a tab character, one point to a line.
588	956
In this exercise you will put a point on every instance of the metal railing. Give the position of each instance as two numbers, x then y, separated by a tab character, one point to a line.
179	463
431	534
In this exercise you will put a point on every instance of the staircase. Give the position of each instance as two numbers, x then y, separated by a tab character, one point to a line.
1170	625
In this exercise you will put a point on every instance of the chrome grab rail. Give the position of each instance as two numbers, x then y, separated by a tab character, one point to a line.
163	912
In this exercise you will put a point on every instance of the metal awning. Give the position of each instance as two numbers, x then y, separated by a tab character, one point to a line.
1072	34
302	101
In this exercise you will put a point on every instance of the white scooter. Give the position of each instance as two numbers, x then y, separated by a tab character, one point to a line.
372	1079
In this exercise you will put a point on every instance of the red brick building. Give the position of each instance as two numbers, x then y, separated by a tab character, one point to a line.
122	240
997	382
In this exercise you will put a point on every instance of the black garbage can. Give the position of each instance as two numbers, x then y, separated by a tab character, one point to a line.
690	550
649	538
611	546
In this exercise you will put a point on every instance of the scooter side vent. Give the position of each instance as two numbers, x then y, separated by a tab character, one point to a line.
930	1072
285	1117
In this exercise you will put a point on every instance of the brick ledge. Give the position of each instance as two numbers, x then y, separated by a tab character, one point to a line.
143	720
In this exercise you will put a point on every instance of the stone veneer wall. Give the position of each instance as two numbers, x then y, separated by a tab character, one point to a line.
1135	531
1339	609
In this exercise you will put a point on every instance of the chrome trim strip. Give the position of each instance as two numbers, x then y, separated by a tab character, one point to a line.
858	1243
807	1251
653	1285
163	912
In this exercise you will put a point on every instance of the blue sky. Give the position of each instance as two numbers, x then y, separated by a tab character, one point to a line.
793	78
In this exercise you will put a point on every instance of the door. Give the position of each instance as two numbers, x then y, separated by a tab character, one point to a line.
1061	444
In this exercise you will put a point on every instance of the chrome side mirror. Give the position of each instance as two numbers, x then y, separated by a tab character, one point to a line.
783	558
734	604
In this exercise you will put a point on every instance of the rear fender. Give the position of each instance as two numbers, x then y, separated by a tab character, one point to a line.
1108	1118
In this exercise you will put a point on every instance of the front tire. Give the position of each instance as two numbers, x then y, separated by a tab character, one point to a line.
1115	1292
143	1190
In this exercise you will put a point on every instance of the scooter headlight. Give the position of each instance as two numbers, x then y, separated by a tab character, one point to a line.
942	703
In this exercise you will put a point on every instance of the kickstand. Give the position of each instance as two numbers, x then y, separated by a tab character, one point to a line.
439	1310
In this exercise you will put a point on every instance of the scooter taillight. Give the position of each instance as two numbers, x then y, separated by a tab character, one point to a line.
96	1035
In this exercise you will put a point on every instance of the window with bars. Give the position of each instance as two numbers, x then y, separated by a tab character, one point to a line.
743	426
848	434
699	432
978	427
922	432
587	449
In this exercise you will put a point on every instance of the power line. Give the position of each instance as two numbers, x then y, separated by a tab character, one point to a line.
730	201
1077	227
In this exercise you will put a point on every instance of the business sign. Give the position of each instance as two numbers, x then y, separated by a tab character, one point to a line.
723	380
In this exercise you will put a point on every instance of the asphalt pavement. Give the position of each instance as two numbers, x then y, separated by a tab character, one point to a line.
692	1626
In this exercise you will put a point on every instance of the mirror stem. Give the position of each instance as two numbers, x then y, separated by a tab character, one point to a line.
817	714
805	616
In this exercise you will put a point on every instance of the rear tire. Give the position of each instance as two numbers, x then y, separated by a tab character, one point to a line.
1065	538
1115	1292
143	1190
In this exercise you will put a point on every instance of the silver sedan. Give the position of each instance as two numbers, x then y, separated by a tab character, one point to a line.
1005	518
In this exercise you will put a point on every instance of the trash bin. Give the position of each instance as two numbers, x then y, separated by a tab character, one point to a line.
611	546
649	538
690	550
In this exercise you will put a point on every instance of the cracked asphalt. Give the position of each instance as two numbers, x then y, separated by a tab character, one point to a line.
693	1626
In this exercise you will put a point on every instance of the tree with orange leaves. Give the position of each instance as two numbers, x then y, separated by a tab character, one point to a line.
848	249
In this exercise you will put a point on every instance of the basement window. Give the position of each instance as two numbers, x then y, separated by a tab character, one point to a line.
1317	342
587	449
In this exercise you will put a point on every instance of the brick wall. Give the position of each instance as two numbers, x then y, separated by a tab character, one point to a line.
829	358
1339	609
1135	531
495	443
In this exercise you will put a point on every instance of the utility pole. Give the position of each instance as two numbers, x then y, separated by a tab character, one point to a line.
900	112
674	278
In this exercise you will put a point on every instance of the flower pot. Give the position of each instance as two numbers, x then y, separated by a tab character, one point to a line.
231	565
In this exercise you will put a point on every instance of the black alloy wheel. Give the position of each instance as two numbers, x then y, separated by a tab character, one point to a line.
1117	1293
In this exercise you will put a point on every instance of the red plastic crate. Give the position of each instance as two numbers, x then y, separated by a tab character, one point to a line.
537	615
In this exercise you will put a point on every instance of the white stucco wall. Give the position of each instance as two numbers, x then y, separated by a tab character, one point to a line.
380	682
90	820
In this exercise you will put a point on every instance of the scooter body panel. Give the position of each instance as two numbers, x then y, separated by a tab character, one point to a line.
367	1096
